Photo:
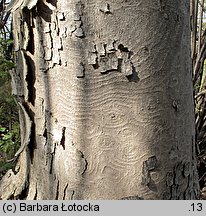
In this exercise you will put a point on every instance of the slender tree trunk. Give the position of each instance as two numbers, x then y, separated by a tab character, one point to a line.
200	25
106	103
194	15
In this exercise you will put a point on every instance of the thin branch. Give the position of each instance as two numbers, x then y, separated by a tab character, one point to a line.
3	23
200	26
200	94
200	60
194	13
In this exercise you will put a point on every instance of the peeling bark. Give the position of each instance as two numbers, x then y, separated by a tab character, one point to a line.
106	98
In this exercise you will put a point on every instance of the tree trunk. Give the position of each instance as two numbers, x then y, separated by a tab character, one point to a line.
106	101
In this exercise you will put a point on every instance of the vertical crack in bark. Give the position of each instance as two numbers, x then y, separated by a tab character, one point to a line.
85	162
65	191
30	79
45	135
175	105
62	141
36	193
57	191
30	46
72	195
28	50
51	159
32	142
85	166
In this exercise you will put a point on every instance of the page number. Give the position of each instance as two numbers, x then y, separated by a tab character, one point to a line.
196	207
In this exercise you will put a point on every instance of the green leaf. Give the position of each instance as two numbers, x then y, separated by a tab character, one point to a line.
2	129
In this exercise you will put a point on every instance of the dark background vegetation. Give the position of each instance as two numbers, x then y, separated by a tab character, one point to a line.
198	55
9	123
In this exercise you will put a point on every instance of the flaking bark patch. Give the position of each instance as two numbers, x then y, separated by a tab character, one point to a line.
148	166
109	57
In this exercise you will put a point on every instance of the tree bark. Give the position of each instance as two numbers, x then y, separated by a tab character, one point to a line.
106	101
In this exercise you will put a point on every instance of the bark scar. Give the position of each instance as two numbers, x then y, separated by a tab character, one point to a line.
112	57
148	166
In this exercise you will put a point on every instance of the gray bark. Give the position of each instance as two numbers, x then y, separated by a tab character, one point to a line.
106	101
